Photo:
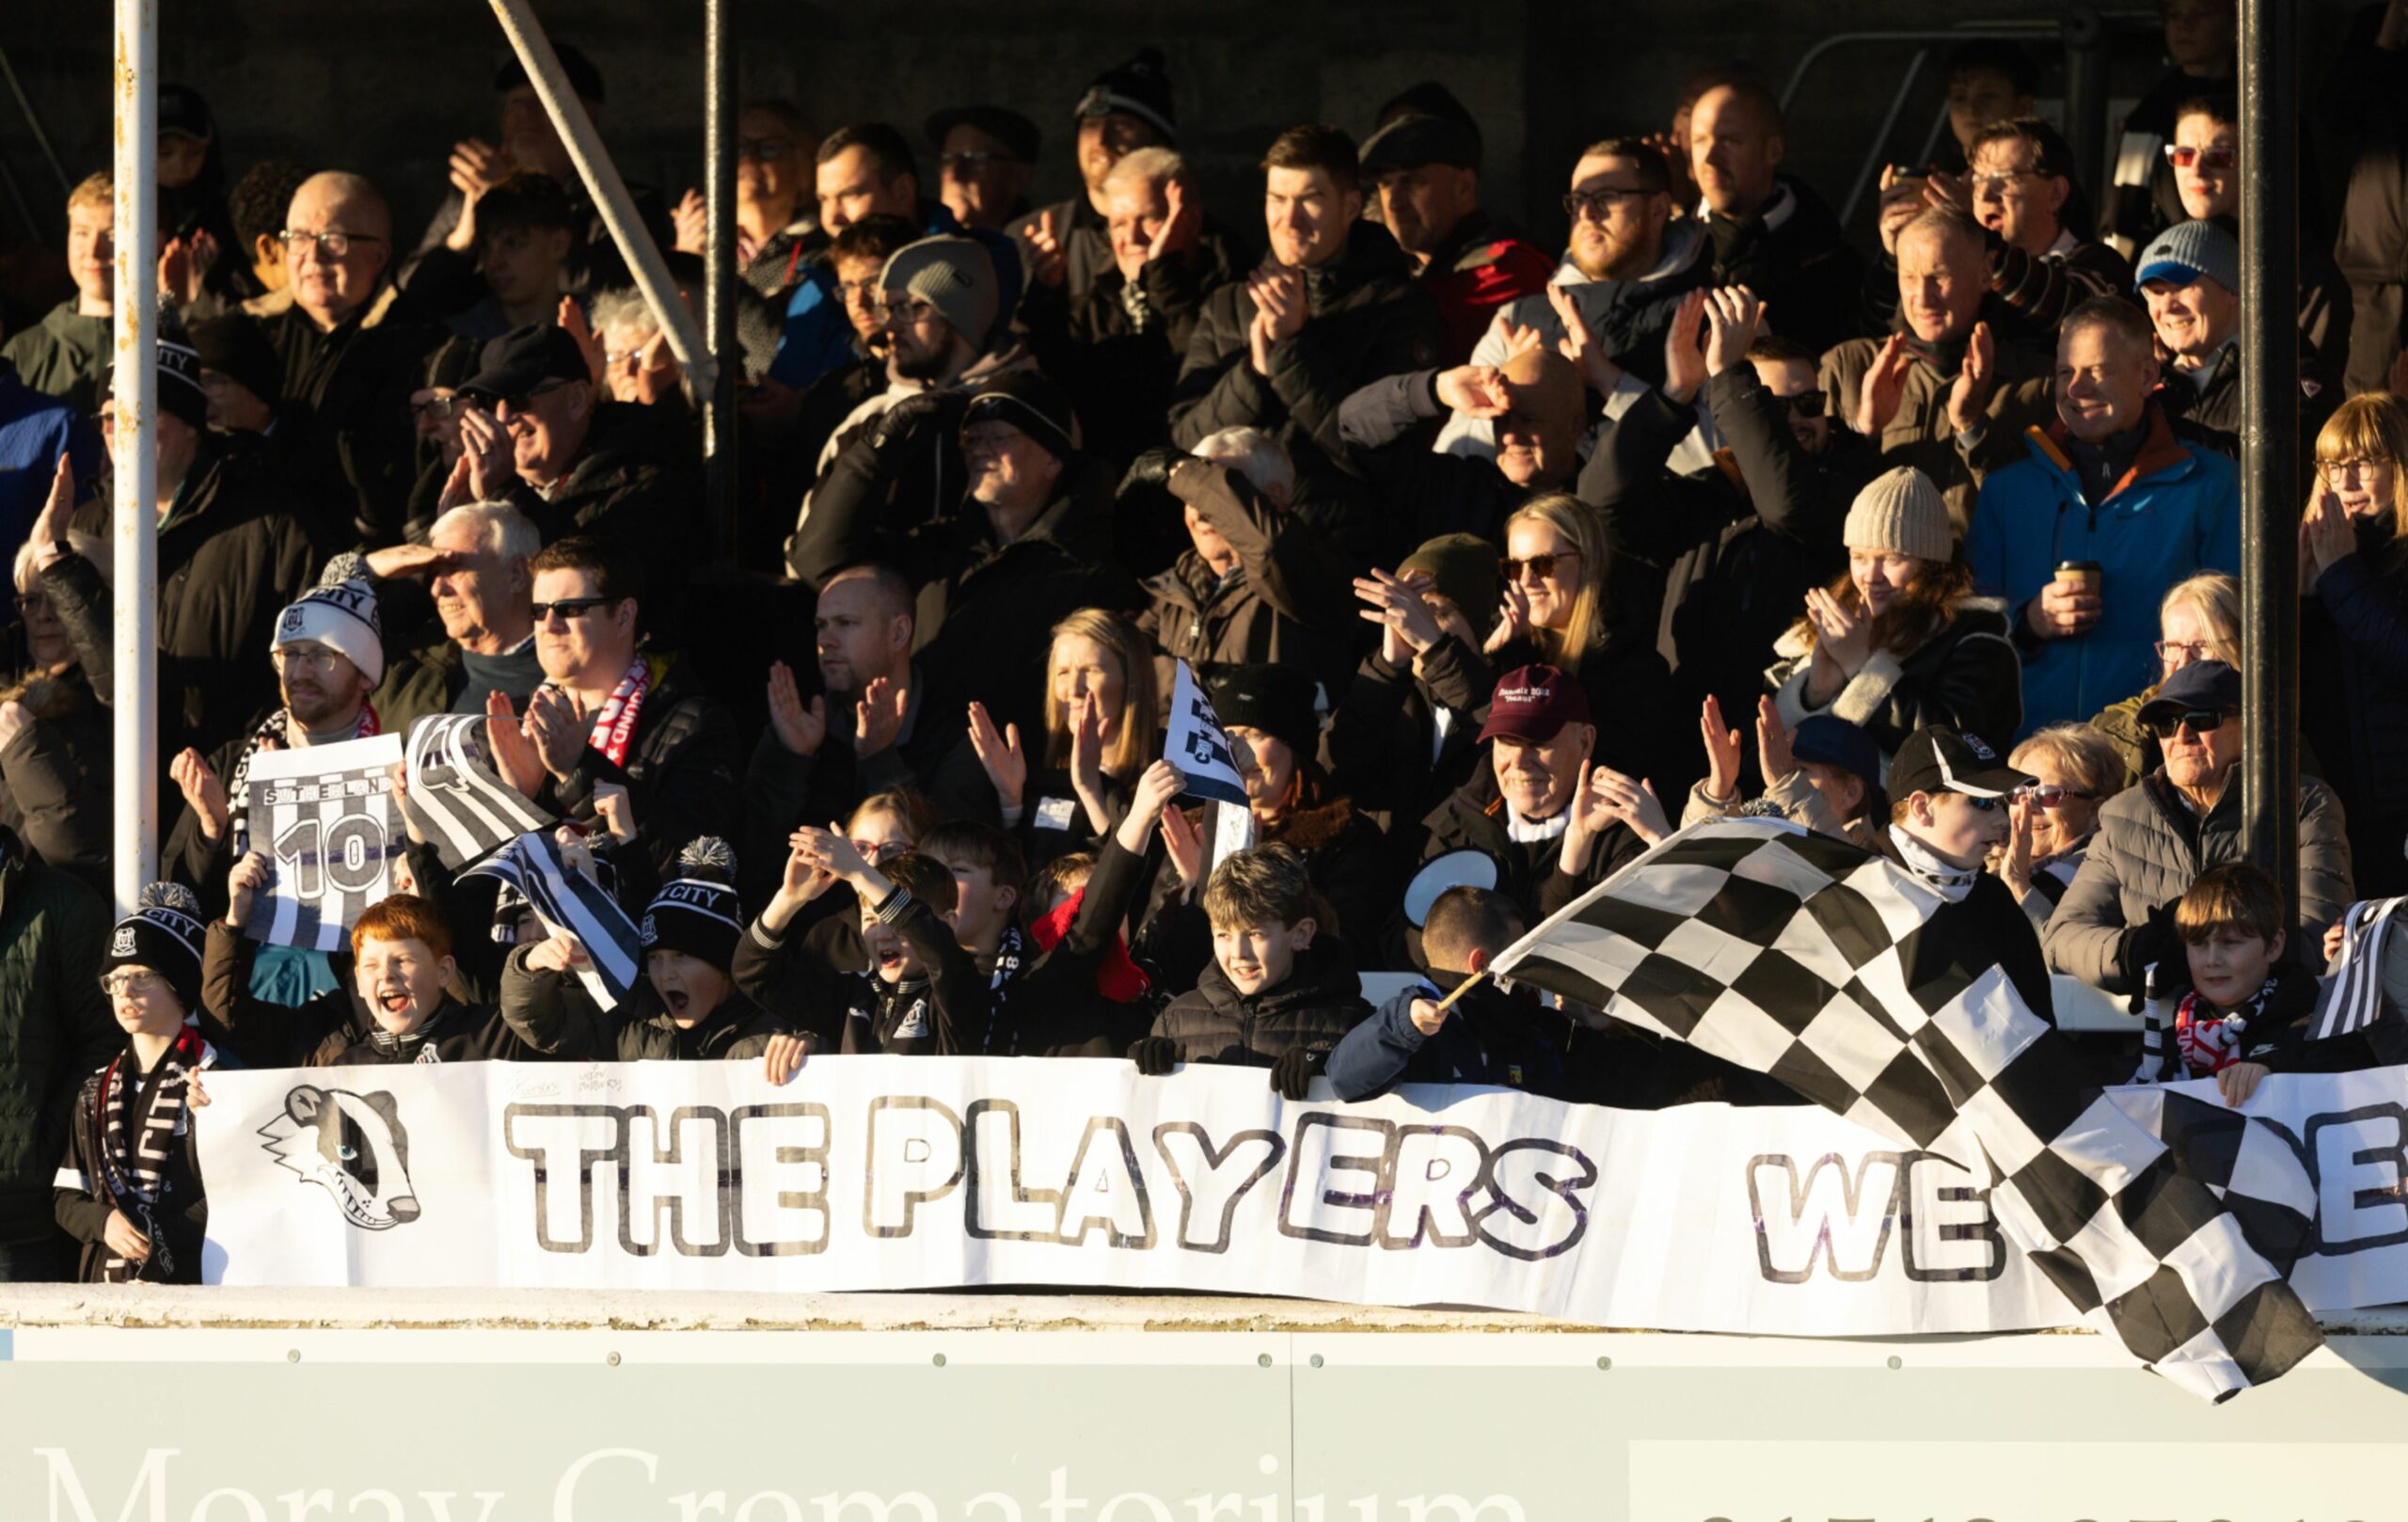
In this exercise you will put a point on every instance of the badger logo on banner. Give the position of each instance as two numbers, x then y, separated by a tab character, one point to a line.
355	1146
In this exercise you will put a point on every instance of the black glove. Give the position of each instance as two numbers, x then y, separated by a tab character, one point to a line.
1151	469
1154	1055
904	419
1296	1070
2153	942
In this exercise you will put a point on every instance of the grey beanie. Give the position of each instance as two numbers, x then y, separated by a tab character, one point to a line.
2188	250
1902	512
953	274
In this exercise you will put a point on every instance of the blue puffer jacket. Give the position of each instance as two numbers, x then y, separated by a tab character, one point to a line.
2175	512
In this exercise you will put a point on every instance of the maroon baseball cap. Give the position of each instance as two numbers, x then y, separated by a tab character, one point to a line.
1532	702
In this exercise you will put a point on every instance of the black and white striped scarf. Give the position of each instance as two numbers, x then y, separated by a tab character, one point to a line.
137	1130
2356	1000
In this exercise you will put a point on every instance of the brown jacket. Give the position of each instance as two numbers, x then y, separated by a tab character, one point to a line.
1920	435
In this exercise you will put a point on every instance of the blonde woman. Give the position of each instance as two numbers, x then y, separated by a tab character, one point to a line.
2354	629
1557	611
1102	720
2074	769
2198	619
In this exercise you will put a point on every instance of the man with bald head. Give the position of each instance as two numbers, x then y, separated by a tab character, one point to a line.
353	348
1538	407
1770	231
1942	393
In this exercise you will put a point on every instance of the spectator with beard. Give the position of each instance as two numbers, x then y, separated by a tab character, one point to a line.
858	258
1942	393
901	445
1027	544
2190	279
1425	170
875	730
1901	640
66	356
1332	309
1738	543
1630	262
2107	512
1768	232
1116	333
986	157
613	714
482	639
868	171
2200	41
354	350
777	222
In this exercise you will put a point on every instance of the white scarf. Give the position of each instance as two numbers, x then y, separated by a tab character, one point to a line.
1951	882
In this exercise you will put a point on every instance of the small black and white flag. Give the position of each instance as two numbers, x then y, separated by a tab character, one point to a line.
566	899
456	792
325	818
1789	953
2355	1001
1194	743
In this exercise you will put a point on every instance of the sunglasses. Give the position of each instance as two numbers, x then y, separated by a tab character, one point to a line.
1599	203
2050	795
2199	721
1807	404
2184	157
1542	566
567	607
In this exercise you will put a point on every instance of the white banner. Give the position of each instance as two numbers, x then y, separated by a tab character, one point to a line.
889	1173
325	818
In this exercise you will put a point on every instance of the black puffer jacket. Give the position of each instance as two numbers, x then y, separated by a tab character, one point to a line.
1368	318
1966	676
1313	1008
1736	546
680	772
236	553
551	1012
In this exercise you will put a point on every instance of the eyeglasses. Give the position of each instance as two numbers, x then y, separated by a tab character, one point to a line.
2336	469
1598	203
520	420
1998	185
972	160
1541	567
2050	795
440	408
1810	402
2181	652
874	851
131	985
2183	156
567	607
2198	721
299	658
759	148
331	245
904	309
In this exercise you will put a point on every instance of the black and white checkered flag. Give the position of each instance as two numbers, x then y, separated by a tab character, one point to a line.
1788	953
457	795
566	899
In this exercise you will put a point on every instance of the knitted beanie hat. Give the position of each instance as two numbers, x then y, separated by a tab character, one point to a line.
340	612
1902	512
953	274
696	911
164	934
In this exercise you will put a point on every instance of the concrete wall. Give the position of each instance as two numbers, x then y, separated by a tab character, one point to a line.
385	86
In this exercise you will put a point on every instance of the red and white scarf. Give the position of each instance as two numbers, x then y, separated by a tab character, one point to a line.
615	725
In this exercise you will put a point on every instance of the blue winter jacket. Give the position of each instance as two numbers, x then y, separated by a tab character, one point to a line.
2175	512
1474	1046
35	430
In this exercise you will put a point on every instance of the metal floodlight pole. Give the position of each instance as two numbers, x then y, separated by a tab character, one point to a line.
2269	441
610	192
719	285
135	318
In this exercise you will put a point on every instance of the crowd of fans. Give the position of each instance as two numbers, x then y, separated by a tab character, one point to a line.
1495	566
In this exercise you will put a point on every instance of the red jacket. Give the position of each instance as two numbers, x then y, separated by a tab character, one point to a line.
1480	269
